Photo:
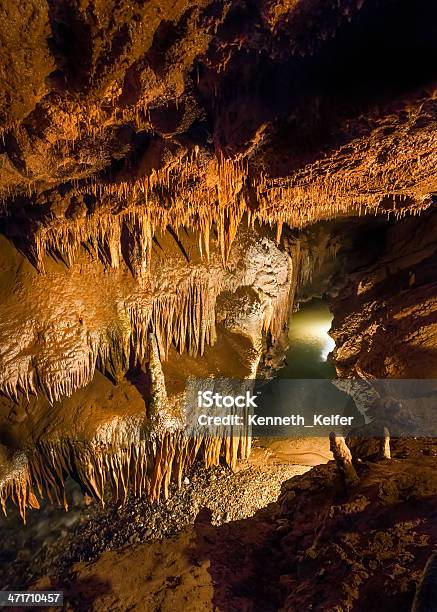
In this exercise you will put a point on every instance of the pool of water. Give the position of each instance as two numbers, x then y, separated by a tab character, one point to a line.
307	356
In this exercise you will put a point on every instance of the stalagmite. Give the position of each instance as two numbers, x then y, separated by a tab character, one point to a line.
343	458
385	445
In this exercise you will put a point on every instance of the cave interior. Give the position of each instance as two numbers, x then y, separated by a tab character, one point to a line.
177	180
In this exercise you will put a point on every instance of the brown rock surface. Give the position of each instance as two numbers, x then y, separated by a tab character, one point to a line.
191	113
316	546
385	313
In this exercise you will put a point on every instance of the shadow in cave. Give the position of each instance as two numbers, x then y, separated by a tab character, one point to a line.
138	376
364	66
83	593
308	550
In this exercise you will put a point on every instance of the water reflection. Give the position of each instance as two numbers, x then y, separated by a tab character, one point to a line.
310	343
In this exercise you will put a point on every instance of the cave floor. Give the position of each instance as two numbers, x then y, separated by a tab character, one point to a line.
319	547
205	548
53	540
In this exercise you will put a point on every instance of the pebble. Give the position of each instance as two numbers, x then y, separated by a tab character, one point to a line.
229	496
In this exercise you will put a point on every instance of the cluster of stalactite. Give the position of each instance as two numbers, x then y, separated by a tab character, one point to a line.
203	193
279	203
307	254
16	484
211	193
145	467
141	457
185	319
110	352
179	308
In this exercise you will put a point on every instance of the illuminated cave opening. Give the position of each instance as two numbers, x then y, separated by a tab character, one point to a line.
310	342
307	357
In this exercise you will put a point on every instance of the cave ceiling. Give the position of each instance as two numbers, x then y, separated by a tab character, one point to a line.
156	114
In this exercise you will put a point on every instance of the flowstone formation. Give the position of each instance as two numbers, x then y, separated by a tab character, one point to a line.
157	160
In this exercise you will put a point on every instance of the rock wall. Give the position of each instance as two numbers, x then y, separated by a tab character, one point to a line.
385	309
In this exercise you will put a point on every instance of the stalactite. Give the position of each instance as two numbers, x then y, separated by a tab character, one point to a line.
207	192
145	466
141	456
185	318
276	317
15	483
181	315
198	191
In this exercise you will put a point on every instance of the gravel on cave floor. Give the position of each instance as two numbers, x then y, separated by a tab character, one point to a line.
53	540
